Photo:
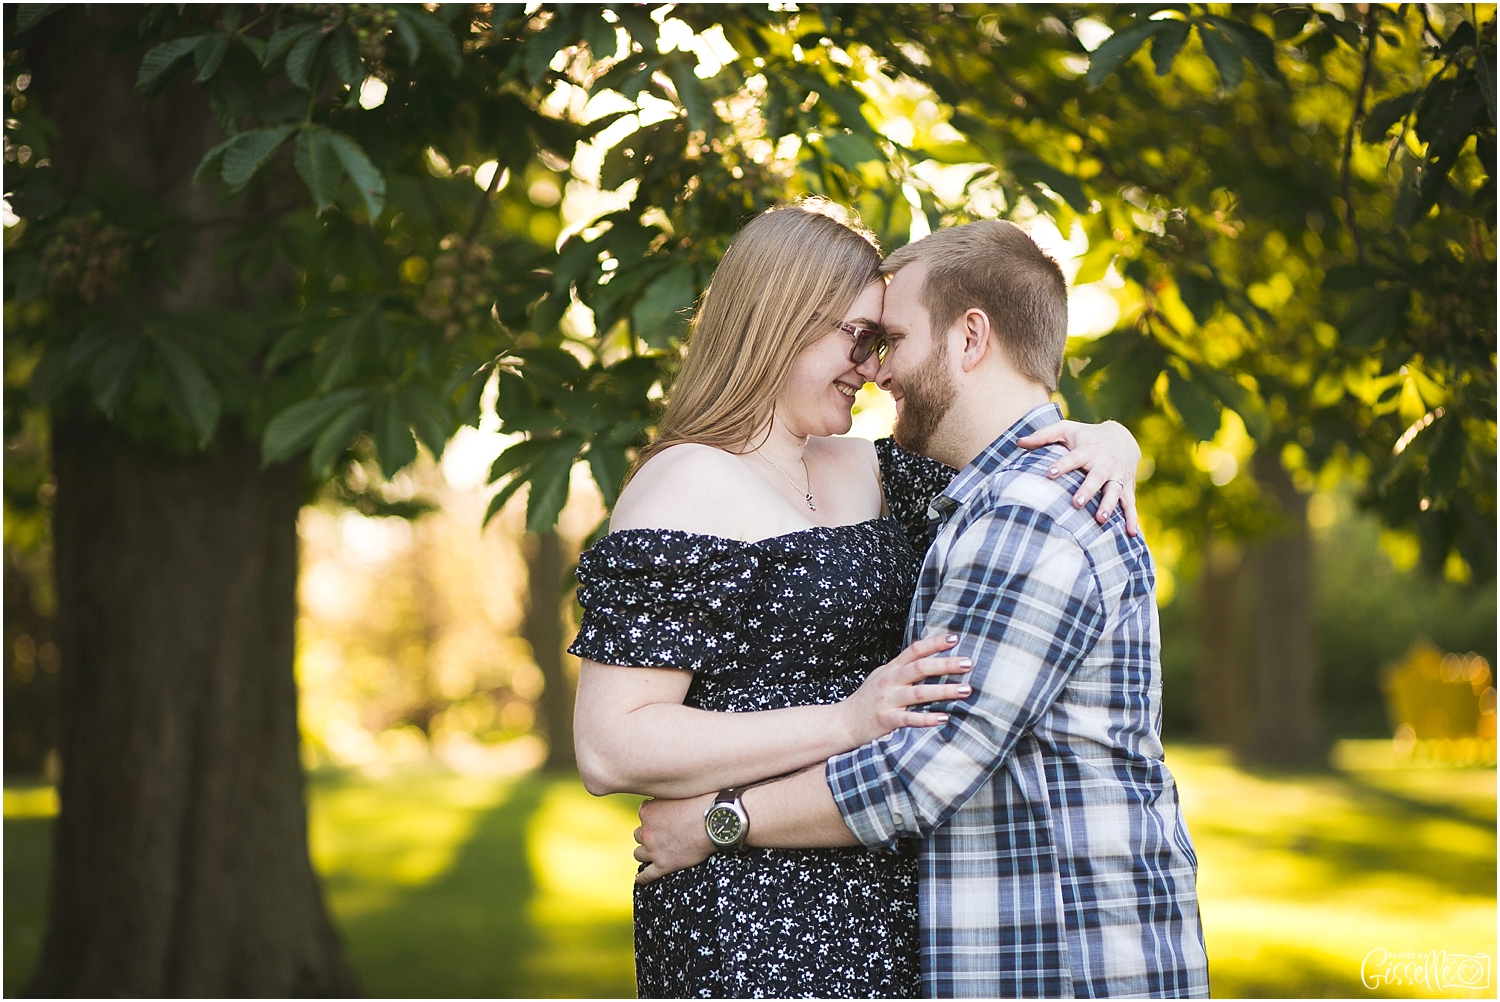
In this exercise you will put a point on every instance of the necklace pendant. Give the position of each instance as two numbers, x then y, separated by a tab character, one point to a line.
810	505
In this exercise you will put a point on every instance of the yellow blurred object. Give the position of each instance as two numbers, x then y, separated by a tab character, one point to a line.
30	802
1441	706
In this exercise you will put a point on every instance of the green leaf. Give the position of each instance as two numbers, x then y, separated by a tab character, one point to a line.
367	178
1226	56
1079	407
318	164
193	388
212	161
429	419
337	436
29	15
1375	316
344	51
1257	48
502	496
295	427
1386	114
113	373
256	46
434	32
549	478
1246	404
850	149
1169	40
393	439
1196	404
1026	165
608	462
1349	277
690	91
299	60
163	57
1128	376
249	150
1199	294
660	316
284	39
1290	22
1119	47
208	54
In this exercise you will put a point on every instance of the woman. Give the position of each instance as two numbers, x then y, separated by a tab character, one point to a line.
743	619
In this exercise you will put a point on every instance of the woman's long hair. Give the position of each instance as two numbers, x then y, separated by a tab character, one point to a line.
787	276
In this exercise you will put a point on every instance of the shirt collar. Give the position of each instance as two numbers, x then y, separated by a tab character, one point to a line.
996	456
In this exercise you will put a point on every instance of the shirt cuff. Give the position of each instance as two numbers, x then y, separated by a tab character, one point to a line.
873	803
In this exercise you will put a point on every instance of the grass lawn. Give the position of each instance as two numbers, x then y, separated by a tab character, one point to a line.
447	885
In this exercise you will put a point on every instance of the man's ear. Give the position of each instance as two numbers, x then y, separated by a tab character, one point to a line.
975	327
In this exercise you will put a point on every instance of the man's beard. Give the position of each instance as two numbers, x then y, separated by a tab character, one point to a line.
926	394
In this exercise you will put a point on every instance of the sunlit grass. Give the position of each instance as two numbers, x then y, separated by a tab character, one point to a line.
448	885
1301	877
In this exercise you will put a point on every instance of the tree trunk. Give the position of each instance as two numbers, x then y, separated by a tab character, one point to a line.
1284	729
544	565
181	864
1218	681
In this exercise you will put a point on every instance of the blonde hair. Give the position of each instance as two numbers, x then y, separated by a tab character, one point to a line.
787	276
994	266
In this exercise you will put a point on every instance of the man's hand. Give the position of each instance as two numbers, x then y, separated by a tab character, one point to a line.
1108	452
671	836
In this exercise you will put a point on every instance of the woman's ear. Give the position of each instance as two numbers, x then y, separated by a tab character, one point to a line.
976	331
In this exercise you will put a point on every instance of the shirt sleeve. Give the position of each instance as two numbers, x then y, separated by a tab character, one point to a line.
1024	600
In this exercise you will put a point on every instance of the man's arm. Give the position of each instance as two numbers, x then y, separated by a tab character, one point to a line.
1022	596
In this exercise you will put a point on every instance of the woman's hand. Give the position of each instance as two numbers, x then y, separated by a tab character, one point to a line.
884	702
1108	452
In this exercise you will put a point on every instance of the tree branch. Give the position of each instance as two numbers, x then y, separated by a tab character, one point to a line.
484	201
1345	185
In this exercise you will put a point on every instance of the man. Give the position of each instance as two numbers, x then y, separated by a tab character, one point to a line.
1054	858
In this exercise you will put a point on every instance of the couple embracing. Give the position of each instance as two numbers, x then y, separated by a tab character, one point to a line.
985	812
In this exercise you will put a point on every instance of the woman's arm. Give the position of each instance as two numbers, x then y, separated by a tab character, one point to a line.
1110	455
633	735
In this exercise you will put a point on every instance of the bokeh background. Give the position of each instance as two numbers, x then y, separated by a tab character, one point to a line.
457	851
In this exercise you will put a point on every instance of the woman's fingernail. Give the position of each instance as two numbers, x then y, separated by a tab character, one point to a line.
942	718
952	638
1078	502
964	690
965	663
1052	472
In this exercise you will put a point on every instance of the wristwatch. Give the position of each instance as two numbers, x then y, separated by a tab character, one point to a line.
726	822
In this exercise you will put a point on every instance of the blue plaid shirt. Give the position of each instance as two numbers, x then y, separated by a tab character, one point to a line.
1055	861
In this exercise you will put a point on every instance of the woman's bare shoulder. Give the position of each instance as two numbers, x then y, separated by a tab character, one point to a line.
689	487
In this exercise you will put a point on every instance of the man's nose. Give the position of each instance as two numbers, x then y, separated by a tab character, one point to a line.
883	377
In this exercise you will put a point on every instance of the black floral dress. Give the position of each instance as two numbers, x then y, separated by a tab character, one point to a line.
792	620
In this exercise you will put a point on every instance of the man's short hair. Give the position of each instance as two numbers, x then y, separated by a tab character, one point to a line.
994	266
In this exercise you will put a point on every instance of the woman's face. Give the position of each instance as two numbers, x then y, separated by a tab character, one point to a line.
818	397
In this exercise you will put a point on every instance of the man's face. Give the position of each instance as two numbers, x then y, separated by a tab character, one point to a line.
915	370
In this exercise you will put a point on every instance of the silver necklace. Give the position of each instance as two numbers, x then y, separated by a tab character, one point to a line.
807	493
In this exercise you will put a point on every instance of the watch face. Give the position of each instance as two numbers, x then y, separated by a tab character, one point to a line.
723	825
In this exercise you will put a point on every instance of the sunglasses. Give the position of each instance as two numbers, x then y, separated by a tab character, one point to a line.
867	342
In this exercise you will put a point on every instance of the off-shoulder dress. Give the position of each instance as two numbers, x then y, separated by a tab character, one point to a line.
792	620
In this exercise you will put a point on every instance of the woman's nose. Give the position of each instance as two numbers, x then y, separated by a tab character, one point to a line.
869	368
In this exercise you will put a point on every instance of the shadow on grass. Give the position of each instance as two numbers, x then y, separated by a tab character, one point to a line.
474	930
